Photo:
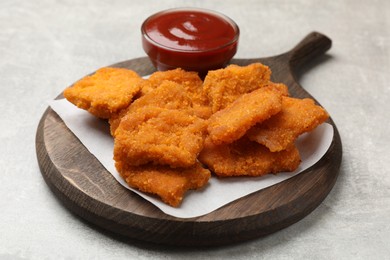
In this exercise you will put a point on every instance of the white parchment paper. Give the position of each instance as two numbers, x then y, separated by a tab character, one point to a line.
95	136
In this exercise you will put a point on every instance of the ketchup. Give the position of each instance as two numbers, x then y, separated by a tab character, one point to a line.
192	39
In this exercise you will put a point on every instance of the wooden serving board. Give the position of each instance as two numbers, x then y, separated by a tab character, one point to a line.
86	188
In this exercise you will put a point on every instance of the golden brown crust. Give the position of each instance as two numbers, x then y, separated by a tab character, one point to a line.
231	123
246	158
191	83
224	86
279	87
167	183
159	135
169	95
105	92
297	117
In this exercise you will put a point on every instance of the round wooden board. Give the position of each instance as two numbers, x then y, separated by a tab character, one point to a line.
85	187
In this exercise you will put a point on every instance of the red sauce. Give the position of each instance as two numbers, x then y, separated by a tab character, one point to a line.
193	39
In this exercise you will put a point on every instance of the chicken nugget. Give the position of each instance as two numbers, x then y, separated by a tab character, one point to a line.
168	95
167	183
190	81
160	136
279	87
246	158
105	92
297	117
224	86
231	123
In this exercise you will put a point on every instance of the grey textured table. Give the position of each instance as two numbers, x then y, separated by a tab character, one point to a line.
47	45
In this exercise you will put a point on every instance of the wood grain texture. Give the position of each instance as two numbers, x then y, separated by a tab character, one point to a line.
85	187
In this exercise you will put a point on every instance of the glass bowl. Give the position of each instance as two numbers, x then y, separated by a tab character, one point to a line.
190	38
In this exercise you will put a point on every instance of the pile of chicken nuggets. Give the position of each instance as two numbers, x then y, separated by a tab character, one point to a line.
173	130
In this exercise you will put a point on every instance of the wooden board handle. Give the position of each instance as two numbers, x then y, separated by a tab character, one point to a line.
313	45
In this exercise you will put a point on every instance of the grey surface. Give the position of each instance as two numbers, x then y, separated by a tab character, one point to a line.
47	45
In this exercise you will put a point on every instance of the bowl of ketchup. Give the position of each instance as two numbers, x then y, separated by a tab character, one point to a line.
189	38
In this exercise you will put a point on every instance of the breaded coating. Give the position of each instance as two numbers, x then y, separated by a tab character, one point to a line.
224	86
145	87
231	123
279	87
160	136
168	95
246	158
105	92
297	117
190	81
115	120
167	183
